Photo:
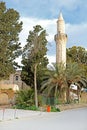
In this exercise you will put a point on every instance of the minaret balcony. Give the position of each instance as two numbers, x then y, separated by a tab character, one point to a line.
60	36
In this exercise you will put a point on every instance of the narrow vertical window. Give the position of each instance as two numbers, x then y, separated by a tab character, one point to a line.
16	78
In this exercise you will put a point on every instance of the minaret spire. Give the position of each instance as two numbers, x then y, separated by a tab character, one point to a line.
60	16
60	24
61	39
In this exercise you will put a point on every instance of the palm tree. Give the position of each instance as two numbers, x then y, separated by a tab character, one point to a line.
74	74
55	80
81	84
59	78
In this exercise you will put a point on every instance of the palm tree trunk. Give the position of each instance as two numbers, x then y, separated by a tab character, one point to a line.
55	95
65	97
78	93
35	85
68	94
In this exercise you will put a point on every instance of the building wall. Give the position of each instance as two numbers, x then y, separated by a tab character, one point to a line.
9	87
84	97
13	79
6	96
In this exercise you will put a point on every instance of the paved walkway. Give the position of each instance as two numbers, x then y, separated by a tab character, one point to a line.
66	120
9	114
72	106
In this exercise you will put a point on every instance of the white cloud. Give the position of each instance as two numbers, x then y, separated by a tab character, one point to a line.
77	34
52	59
28	23
49	25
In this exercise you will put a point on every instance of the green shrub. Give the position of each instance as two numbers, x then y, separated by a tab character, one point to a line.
33	108
54	109
25	99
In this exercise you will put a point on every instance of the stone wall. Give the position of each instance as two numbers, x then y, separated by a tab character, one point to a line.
84	97
6	96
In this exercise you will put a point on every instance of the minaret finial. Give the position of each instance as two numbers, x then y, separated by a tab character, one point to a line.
60	16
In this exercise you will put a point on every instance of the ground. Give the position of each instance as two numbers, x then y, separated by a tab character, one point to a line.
75	119
72	106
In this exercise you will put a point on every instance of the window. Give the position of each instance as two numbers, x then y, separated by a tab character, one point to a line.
16	78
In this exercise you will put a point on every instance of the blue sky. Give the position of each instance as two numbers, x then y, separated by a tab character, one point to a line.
45	13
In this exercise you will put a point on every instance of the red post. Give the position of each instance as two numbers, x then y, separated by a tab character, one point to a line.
48	108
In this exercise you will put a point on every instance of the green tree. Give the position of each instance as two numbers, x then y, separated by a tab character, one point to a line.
10	49
79	55
41	72
27	74
35	52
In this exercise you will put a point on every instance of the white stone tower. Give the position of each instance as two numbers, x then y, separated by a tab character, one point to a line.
61	39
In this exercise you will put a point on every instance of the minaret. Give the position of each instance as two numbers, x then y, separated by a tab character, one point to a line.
61	39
